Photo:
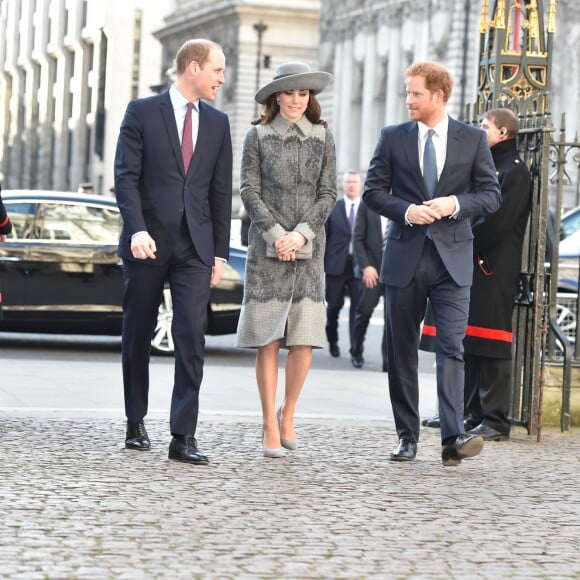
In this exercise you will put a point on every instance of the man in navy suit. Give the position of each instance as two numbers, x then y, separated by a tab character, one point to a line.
431	176
338	260
368	245
173	183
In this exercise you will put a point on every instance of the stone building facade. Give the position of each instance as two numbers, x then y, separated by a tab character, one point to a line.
69	68
289	31
368	44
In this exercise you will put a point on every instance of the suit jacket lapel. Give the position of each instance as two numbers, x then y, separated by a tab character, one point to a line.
343	219
453	151
171	127
411	145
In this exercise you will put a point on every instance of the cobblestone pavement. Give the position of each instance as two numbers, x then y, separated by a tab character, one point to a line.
75	504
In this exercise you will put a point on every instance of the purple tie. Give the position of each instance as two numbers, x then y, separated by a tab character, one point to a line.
187	139
351	217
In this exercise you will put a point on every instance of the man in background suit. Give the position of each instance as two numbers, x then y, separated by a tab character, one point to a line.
368	242
338	260
430	177
173	183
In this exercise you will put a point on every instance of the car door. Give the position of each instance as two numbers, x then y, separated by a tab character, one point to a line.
14	257
74	274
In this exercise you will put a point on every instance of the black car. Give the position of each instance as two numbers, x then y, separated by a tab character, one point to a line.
60	273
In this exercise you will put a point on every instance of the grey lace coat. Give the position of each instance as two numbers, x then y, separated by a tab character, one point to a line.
288	183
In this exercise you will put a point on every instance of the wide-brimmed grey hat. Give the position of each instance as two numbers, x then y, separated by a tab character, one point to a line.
294	75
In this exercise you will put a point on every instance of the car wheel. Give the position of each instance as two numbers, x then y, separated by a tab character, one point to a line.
162	341
566	319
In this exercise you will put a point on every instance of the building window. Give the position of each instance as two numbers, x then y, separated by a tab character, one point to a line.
136	53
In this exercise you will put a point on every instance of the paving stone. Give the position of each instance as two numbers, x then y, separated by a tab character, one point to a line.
76	504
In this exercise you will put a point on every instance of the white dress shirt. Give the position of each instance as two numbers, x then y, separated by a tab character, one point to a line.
348	203
439	141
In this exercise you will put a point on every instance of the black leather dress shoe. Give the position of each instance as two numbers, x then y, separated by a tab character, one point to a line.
433	422
406	451
334	350
464	446
488	433
136	437
184	448
469	423
357	361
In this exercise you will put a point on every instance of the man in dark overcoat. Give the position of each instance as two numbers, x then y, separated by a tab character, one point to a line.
498	254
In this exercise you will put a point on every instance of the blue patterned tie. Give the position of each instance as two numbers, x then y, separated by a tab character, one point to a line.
430	164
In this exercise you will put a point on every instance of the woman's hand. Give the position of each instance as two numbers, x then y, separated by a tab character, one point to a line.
287	245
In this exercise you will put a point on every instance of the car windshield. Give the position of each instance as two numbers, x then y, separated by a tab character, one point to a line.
64	221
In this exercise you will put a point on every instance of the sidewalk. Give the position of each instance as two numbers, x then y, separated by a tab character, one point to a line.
75	504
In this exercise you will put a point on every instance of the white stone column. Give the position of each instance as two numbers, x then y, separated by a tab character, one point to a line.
368	129
395	79
336	93
344	115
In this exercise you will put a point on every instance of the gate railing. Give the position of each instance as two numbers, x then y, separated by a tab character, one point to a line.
545	328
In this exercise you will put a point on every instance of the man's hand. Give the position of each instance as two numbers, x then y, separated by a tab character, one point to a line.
370	277
2	237
422	214
444	206
216	272
143	246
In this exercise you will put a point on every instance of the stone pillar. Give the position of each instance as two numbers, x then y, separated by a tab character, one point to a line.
344	100
394	77
368	129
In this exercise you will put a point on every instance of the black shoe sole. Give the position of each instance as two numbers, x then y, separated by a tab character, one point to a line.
400	458
496	438
181	460
471	448
137	448
452	457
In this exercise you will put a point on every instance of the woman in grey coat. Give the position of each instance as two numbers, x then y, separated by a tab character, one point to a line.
288	187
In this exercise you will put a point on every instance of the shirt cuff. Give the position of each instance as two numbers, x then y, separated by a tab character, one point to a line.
457	207
407	222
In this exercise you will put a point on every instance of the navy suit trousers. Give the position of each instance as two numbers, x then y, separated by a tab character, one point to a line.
405	311
189	282
336	290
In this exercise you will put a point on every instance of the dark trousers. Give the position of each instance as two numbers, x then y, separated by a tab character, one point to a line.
405	310
369	300
336	289
189	281
488	391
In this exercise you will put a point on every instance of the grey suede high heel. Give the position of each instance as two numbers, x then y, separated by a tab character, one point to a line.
290	444
272	453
